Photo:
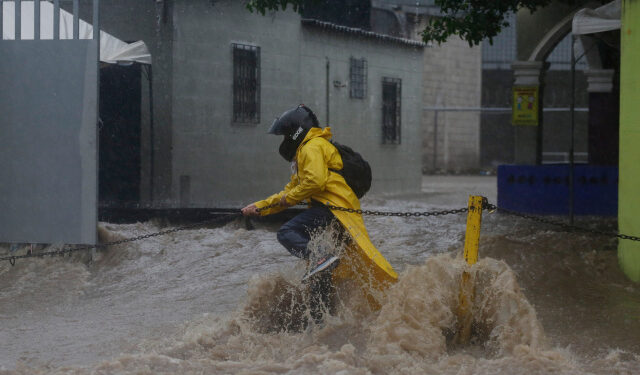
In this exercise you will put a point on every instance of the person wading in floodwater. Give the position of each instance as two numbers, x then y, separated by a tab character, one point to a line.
316	163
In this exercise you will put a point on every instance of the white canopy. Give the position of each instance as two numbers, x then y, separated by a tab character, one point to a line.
112	49
604	18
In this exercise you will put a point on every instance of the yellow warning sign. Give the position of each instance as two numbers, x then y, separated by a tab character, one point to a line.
525	105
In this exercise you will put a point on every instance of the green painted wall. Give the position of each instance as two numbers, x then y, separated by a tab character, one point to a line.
629	186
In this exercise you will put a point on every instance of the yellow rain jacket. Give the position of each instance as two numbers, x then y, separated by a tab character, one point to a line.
314	181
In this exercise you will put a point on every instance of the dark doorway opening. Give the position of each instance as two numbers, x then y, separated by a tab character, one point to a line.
119	134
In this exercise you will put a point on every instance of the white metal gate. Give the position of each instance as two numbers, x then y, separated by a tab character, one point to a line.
48	133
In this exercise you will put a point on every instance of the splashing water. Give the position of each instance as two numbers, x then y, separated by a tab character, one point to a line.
228	300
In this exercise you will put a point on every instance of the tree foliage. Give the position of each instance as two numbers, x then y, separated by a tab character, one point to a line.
472	20
262	6
476	20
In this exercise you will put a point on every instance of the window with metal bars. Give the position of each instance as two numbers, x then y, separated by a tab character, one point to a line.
246	83
358	78
391	100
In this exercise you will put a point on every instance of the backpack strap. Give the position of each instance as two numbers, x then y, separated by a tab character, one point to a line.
338	171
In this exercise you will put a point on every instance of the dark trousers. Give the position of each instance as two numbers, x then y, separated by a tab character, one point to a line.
295	234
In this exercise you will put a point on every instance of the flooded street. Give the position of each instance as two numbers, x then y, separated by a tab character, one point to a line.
201	301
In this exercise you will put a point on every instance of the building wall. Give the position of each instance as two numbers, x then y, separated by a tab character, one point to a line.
396	167
452	78
629	200
556	126
497	135
153	25
218	163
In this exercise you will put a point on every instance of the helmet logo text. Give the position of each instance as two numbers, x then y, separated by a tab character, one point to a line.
297	133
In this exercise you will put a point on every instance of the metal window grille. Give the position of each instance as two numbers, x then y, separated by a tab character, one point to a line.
358	78
391	101
246	83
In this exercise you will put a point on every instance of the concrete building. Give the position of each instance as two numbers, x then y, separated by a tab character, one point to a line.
496	140
222	74
452	79
498	133
539	36
611	88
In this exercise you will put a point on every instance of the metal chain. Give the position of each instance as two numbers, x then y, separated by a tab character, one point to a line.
564	226
380	213
400	214
12	258
486	205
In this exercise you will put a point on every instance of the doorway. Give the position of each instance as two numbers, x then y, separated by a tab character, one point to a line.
119	135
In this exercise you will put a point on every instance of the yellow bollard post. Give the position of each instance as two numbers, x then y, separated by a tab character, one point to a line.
472	237
467	289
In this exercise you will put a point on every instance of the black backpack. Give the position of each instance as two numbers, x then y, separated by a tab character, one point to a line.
355	170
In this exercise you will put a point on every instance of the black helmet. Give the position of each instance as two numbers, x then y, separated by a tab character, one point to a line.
294	125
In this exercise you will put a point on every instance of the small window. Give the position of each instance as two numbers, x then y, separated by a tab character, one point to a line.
391	94
246	83
358	78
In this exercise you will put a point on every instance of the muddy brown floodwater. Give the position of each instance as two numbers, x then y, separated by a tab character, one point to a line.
216	300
